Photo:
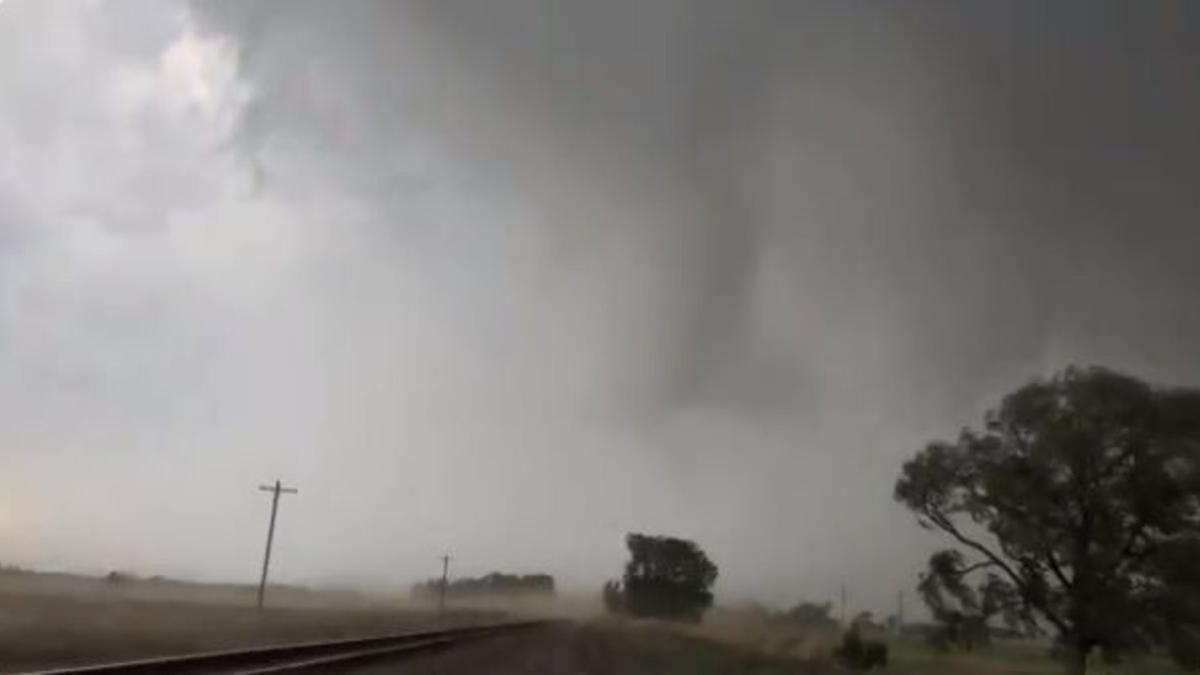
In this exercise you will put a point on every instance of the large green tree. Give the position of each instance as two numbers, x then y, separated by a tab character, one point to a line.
666	578
1075	507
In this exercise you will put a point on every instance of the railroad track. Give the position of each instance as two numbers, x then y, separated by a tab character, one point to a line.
307	657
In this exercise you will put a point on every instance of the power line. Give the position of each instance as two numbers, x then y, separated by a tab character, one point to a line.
277	489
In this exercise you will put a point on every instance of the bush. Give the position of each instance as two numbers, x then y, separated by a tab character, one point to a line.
859	654
614	597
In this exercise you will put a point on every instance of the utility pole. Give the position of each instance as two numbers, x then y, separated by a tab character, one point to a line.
843	599
277	489
442	590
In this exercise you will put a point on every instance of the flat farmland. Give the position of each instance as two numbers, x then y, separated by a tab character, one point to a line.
53	620
50	620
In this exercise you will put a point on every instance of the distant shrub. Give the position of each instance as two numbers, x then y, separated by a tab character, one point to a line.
614	597
859	654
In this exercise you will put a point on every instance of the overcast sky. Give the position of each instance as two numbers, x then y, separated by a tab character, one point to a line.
510	280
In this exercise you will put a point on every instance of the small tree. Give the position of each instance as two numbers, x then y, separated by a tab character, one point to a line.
1079	501
665	578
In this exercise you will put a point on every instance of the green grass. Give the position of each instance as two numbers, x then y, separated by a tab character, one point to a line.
1011	659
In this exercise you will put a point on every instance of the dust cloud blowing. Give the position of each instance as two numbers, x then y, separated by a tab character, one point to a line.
510	280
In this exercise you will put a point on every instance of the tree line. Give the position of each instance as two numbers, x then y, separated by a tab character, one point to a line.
495	584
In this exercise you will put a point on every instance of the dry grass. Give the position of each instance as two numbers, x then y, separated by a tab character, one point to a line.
603	648
57	620
754	633
812	651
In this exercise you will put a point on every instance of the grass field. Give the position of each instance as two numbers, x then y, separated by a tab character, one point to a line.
911	656
603	648
49	620
57	620
648	648
908	656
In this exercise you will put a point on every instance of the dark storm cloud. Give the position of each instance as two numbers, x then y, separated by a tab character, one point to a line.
1065	180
